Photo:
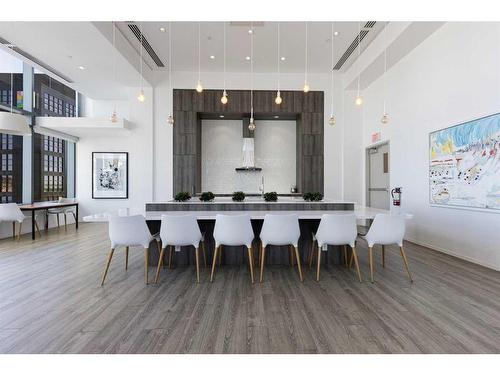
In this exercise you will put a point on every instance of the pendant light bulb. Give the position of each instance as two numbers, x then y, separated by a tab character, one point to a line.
223	100
306	87
170	119
278	99
251	125
332	120
141	97
359	100
199	87
384	119
114	117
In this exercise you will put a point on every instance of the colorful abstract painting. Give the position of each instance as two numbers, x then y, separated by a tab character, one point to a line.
465	164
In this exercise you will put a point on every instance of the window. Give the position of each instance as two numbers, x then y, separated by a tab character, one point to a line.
53	172
10	168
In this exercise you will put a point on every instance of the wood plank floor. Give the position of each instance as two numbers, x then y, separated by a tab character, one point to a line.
51	302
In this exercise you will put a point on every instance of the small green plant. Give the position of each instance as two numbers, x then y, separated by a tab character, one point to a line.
271	196
238	196
313	196
207	196
182	196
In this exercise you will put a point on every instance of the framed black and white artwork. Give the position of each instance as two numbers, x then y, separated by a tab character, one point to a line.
109	175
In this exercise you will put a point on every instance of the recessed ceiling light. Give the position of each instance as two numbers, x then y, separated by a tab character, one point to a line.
247	58
250	31
212	57
162	29
81	67
336	33
221	116
283	58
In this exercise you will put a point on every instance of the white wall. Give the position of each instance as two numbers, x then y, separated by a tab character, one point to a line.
183	80
275	148
453	76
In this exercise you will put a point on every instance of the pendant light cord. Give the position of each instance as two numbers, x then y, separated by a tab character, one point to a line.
224	57
333	27
305	75
199	51
170	59
279	71
359	53
142	86
251	72
11	92
114	60
385	65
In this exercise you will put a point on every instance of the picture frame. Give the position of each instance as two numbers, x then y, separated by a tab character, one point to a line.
109	175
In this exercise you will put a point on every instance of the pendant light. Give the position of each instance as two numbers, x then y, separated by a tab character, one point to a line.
13	123
170	118
278	100
331	121
114	116
141	96
385	117
199	87
306	85
251	125
223	99
359	98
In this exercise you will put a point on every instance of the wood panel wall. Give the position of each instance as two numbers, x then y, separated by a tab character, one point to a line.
190	106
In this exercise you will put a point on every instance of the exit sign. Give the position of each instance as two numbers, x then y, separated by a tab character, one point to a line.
376	137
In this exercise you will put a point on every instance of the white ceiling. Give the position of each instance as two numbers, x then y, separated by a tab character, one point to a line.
292	44
65	46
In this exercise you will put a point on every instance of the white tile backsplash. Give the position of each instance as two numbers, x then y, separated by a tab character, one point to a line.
275	147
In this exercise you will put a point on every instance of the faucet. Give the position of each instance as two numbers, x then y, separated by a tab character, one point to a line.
261	187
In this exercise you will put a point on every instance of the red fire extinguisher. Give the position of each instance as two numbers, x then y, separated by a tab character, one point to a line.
396	196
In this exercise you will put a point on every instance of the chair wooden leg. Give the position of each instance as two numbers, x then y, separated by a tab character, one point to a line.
319	263
405	261
220	255
65	221
370	253
146	265
19	232
383	256
355	256
262	261
13	229
250	261
160	264
170	256
312	253
57	219
37	228
204	253
298	263
345	254
197	256
74	216
107	266
213	263
126	258
158	246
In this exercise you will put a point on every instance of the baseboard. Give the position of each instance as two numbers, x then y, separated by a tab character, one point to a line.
452	253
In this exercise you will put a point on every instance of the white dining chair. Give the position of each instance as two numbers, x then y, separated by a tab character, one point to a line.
11	212
129	231
63	210
233	230
387	229
180	231
336	230
280	230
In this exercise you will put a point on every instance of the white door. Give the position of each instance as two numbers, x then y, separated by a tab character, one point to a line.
378	177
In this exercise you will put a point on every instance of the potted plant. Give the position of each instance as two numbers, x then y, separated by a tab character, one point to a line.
182	196
238	196
313	196
207	196
271	196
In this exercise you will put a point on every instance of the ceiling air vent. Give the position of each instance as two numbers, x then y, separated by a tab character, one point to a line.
35	60
145	44
352	47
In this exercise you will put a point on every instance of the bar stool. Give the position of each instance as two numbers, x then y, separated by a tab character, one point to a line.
11	212
337	230
387	229
180	231
129	231
233	230
280	230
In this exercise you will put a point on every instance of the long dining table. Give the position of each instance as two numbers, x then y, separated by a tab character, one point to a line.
44	206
